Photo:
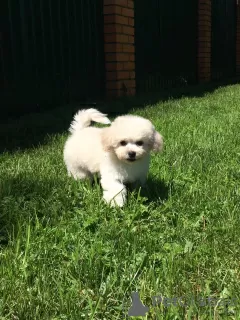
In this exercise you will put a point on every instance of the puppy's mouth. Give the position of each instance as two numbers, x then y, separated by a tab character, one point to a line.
131	159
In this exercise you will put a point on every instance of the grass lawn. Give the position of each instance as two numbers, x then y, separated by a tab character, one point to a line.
65	255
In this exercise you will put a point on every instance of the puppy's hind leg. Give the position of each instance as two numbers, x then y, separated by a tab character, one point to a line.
79	174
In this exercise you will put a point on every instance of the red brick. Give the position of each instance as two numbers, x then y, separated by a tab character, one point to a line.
113	28
122	38
204	5
131	22
205	52
131	39
118	57
120	84
204	45
204	69
204	39
130	83
205	11
204	33
204	23
113	47
203	57
110	57
204	29
122	20
204	60
114	85
119	47
109	19
128	12
122	3
119	19
128	48
132	75
112	38
114	66
204	1
110	76
123	75
122	57
203	64
131	57
128	30
131	4
112	9
203	16
129	65
119	75
116	88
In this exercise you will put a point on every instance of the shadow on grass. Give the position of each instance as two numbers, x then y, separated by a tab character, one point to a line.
31	129
156	190
141	100
21	199
153	190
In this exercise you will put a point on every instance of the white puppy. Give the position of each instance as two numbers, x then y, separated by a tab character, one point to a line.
120	153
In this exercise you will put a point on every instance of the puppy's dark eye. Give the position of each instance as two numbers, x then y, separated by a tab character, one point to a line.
123	143
139	143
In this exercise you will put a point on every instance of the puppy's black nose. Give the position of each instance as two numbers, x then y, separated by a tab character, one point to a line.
132	154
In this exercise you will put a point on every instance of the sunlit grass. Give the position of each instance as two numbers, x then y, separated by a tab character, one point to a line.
65	255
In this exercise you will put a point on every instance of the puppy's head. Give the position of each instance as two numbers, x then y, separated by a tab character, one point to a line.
131	138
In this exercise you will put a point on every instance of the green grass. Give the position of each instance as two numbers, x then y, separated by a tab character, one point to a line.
65	255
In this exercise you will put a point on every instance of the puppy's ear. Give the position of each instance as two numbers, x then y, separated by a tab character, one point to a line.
157	142
106	139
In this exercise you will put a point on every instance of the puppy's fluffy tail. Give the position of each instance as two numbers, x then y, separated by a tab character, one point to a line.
83	118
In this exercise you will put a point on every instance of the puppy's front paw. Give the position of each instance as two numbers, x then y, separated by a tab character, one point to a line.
114	192
115	201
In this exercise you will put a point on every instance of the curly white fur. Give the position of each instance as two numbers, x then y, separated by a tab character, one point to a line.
120	153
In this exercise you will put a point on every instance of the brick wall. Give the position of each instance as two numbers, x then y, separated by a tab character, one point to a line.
204	40
120	50
119	47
